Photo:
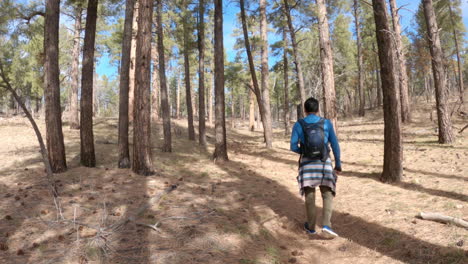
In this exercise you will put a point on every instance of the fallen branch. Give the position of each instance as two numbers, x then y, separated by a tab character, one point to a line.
443	219
461	131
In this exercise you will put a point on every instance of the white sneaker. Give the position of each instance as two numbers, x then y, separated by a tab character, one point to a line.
328	232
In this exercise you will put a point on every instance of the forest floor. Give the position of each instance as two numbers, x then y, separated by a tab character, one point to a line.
246	211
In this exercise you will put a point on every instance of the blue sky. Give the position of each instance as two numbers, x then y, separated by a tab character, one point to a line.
231	8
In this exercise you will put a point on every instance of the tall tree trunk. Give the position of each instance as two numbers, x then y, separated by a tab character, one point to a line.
393	152
53	112
188	89
155	97
297	62
264	76
142	160
326	58
286	82
178	98
443	114
210	100
124	153
251	108
201	74
401	62
357	24
88	158
74	115
457	49
377	78
258	92
133	48
166	114
220	152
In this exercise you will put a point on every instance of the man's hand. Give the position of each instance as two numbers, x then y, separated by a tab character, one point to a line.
338	170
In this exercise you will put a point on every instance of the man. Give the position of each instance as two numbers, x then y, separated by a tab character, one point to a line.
310	138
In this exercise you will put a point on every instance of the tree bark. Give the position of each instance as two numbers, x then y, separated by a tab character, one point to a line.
188	89
258	92
131	90
220	152
53	112
446	135
142	160
124	153
201	75
401	62
286	114
393	153
457	49
166	114
297	62
264	76
74	114
88	157
326	58
357	24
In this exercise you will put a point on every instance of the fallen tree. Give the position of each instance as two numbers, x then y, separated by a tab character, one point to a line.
443	219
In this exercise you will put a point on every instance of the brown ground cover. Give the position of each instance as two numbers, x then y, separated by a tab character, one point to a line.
247	210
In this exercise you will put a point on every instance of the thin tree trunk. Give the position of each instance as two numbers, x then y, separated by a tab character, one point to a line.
251	108
188	89
74	114
210	100
286	82
201	75
142	160
132	82
53	112
297	62
220	152
43	150
264	76
402	74
124	153
88	157
393	152
443	114
357	24
155	79
258	92
166	114
178	98
457	49
377	78
326	55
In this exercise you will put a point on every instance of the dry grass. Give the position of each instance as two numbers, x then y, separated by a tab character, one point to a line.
247	210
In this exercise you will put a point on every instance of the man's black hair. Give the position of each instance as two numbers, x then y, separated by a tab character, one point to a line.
311	105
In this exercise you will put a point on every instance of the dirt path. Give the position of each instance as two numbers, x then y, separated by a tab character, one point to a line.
247	210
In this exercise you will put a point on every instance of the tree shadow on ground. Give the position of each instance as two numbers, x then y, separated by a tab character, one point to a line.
410	186
428	173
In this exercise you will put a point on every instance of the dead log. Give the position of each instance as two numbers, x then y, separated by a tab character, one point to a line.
443	219
461	131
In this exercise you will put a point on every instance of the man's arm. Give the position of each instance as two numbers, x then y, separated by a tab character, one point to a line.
335	146
295	136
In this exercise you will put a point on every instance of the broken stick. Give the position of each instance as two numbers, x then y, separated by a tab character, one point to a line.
443	219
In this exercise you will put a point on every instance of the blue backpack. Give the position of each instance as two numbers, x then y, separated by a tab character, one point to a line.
314	146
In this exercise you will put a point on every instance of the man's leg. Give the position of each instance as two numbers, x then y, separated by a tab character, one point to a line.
310	206
327	197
